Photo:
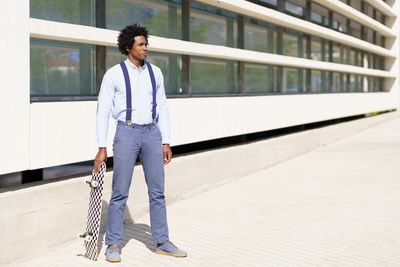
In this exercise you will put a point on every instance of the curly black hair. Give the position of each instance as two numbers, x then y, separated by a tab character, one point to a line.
126	37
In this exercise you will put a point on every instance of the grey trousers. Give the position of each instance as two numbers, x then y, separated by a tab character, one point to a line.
129	142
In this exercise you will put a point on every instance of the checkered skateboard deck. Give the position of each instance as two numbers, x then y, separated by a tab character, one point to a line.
91	235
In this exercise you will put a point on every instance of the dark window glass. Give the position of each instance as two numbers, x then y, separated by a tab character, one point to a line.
290	80
316	81
61	68
355	29
266	3
379	39
336	83
212	76
336	55
260	78
295	7
259	36
161	18
292	43
316	48
353	59
355	83
369	35
339	22
212	26
71	11
319	14
369	10
356	4
370	81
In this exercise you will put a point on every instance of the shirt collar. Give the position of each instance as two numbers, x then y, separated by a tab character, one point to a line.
130	64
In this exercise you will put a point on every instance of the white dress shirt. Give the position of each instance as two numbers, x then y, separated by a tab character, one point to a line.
112	98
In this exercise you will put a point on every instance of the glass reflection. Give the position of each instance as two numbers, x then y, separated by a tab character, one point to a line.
61	68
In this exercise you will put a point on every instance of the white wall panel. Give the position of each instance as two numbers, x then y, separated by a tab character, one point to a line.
14	80
65	132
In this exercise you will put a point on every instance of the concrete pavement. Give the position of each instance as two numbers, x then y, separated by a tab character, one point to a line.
335	206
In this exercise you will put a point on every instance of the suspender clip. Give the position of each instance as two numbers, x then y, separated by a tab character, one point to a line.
129	123
154	121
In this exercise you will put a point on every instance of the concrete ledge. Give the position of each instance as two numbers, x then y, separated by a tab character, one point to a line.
36	218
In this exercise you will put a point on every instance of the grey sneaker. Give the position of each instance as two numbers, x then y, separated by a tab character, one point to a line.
113	254
170	249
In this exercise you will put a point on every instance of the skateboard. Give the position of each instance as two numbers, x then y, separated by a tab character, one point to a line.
91	235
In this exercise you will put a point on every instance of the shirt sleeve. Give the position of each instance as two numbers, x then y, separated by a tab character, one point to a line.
104	107
163	115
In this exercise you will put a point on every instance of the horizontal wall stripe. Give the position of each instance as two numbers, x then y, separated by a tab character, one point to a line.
91	35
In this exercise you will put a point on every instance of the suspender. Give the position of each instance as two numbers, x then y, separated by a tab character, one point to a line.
153	83
129	96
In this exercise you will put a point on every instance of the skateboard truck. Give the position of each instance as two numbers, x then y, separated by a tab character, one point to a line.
87	236
92	183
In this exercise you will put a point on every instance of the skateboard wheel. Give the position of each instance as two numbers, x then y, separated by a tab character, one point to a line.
88	238
94	183
86	180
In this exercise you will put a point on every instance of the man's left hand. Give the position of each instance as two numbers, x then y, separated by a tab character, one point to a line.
167	153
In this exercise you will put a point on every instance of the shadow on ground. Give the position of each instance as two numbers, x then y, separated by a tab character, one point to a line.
138	231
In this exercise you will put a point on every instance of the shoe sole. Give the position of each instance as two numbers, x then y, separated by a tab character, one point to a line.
170	254
113	259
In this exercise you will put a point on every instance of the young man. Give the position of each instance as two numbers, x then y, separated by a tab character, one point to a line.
133	91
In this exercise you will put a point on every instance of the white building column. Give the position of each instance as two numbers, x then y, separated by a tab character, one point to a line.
14	78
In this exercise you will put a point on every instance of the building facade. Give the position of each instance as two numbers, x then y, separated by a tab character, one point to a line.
230	68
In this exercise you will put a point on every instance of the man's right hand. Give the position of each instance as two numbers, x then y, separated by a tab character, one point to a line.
100	158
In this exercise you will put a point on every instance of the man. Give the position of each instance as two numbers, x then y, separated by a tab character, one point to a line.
134	92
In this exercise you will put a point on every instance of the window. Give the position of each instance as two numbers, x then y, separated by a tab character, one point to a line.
260	78
339	22
355	29
161	18
212	26
291	42
212	76
336	84
316	81
336	55
72	11
259	36
290	80
319	14
295	7
355	83
316	48
61	68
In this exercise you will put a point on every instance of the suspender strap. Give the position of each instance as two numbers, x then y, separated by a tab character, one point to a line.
153	83
128	93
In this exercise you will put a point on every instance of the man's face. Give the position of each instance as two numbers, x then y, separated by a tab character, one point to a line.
139	48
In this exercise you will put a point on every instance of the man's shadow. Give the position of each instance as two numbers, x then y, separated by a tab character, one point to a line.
138	231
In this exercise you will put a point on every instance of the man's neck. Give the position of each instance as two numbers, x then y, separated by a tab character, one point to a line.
136	62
